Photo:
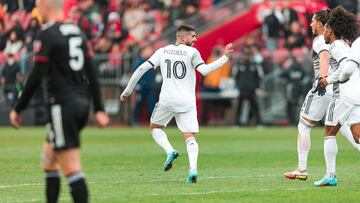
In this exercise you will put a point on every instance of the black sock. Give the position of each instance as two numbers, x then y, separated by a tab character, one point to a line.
78	187
52	186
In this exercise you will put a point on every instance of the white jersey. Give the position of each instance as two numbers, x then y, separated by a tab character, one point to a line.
349	90
339	51
177	64
319	46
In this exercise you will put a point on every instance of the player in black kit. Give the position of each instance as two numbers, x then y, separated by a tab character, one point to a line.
63	58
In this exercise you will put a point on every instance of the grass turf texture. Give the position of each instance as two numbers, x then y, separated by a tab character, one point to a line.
235	165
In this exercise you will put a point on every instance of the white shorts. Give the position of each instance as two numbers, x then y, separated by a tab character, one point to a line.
186	121
314	106
341	111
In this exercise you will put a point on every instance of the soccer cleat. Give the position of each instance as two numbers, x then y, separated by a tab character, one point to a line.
170	159
297	174
192	177
325	181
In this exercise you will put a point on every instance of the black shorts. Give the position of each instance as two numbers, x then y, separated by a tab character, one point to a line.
67	119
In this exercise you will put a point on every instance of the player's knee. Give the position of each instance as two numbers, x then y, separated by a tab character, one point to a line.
155	126
331	130
47	162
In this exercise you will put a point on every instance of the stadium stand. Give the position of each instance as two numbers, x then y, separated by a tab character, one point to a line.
117	29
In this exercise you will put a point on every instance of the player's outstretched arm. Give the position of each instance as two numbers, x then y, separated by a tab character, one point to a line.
205	69
348	69
139	72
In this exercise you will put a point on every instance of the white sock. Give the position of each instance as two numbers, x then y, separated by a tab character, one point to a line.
303	145
161	139
330	151
346	132
193	151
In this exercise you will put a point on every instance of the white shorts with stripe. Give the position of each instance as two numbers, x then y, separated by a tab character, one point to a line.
314	106
340	111
186	121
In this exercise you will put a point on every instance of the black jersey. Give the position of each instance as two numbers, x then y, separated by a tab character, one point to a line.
62	55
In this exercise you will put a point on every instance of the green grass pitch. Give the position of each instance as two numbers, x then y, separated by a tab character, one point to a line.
235	165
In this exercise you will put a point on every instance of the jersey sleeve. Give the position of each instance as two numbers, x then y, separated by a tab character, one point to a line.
354	52
42	47
154	60
92	75
197	60
319	45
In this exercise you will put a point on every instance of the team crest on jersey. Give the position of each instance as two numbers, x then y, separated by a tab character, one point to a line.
37	46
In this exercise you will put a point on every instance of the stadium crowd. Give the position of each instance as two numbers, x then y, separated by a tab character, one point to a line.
117	27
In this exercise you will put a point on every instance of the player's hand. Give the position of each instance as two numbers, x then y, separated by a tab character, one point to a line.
319	89
122	98
323	82
15	119
228	50
102	119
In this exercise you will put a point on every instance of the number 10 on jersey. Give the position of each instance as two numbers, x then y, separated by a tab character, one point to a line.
173	70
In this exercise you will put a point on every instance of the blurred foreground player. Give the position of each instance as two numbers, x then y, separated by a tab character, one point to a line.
63	58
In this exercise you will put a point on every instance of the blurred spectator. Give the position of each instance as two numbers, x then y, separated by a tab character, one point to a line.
33	29
113	28
97	26
289	14
13	44
271	28
77	17
294	74
247	74
8	80
144	90
152	22
215	108
294	38
176	12
103	45
133	20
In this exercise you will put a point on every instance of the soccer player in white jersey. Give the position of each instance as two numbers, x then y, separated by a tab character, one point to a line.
349	78
341	25
178	63
315	105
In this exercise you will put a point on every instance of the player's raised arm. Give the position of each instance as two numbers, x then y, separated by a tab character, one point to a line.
205	69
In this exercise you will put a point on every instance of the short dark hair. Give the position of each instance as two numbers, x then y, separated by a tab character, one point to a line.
344	24
322	16
187	28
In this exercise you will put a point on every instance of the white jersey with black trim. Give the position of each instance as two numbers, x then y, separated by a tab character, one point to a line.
349	90
318	46
177	64
339	51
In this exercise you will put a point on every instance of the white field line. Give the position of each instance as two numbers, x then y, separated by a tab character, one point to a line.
220	192
165	194
20	185
149	181
201	178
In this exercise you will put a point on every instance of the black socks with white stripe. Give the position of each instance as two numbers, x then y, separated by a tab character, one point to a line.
52	186
78	187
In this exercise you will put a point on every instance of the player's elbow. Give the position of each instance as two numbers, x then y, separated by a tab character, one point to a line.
202	70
